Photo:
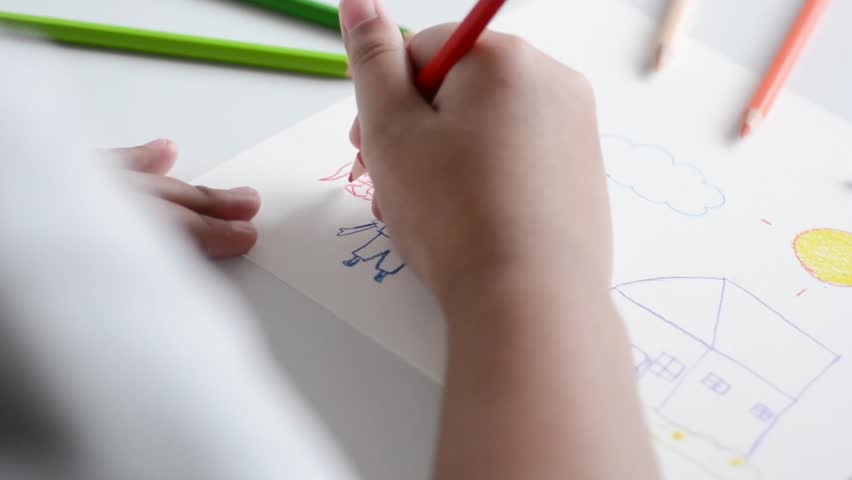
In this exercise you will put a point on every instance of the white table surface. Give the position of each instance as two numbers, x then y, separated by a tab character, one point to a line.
383	412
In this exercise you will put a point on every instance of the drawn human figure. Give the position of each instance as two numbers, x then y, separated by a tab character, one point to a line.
361	188
378	247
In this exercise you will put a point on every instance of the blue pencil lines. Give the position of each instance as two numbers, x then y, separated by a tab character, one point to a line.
376	248
653	174
706	359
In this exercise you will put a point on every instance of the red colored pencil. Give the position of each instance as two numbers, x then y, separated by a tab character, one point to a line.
429	79
783	64
460	42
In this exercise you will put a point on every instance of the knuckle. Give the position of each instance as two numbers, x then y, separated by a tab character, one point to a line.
514	45
369	49
580	85
508	51
425	43
507	59
205	196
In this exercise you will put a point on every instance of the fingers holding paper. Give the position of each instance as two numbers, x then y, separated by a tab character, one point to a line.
218	220
157	156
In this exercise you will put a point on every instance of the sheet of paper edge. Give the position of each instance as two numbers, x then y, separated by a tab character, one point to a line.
640	16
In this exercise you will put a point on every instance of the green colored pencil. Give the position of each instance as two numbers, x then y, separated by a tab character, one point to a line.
311	11
182	46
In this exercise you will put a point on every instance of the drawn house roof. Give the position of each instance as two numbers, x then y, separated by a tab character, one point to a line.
731	321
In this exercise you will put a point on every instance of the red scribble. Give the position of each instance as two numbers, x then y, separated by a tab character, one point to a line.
766	221
342	172
361	188
801	292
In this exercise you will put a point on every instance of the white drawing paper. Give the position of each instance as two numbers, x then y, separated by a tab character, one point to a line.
733	259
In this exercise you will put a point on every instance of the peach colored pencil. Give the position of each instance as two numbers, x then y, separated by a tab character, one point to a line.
783	64
672	27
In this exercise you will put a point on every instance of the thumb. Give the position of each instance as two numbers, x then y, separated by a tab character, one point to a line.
377	59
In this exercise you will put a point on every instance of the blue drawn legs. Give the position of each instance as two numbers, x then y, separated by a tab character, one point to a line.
355	260
381	275
387	265
378	247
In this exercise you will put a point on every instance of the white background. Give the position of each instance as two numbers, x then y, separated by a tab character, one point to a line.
383	411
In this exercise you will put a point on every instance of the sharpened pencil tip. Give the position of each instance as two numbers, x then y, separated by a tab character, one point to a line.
751	121
351	178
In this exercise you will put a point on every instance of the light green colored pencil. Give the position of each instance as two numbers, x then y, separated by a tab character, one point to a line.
181	46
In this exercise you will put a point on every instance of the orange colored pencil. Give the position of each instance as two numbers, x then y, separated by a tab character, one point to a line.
783	64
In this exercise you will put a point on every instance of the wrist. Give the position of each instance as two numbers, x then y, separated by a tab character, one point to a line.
523	293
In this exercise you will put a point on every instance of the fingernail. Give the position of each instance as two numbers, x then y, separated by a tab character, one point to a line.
244	191
243	227
353	13
155	143
163	143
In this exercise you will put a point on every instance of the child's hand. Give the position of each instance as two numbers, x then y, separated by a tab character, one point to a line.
217	219
501	177
495	195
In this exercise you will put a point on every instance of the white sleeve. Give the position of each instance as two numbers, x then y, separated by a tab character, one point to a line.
147	354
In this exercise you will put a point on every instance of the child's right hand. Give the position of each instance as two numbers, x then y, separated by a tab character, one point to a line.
495	195
500	178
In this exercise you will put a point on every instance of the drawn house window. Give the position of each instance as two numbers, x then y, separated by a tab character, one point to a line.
640	361
762	412
736	390
716	383
667	367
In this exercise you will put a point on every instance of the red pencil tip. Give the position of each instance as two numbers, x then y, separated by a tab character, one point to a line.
746	131
351	179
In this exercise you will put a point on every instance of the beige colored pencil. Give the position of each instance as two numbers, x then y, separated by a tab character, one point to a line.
671	30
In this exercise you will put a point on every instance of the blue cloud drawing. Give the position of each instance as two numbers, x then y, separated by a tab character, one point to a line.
652	174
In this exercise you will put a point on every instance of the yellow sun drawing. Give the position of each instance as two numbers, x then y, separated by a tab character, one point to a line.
827	254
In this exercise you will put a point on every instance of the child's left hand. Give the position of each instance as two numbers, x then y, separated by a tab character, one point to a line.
217	219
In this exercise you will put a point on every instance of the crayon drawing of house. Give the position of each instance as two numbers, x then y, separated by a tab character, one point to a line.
715	360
